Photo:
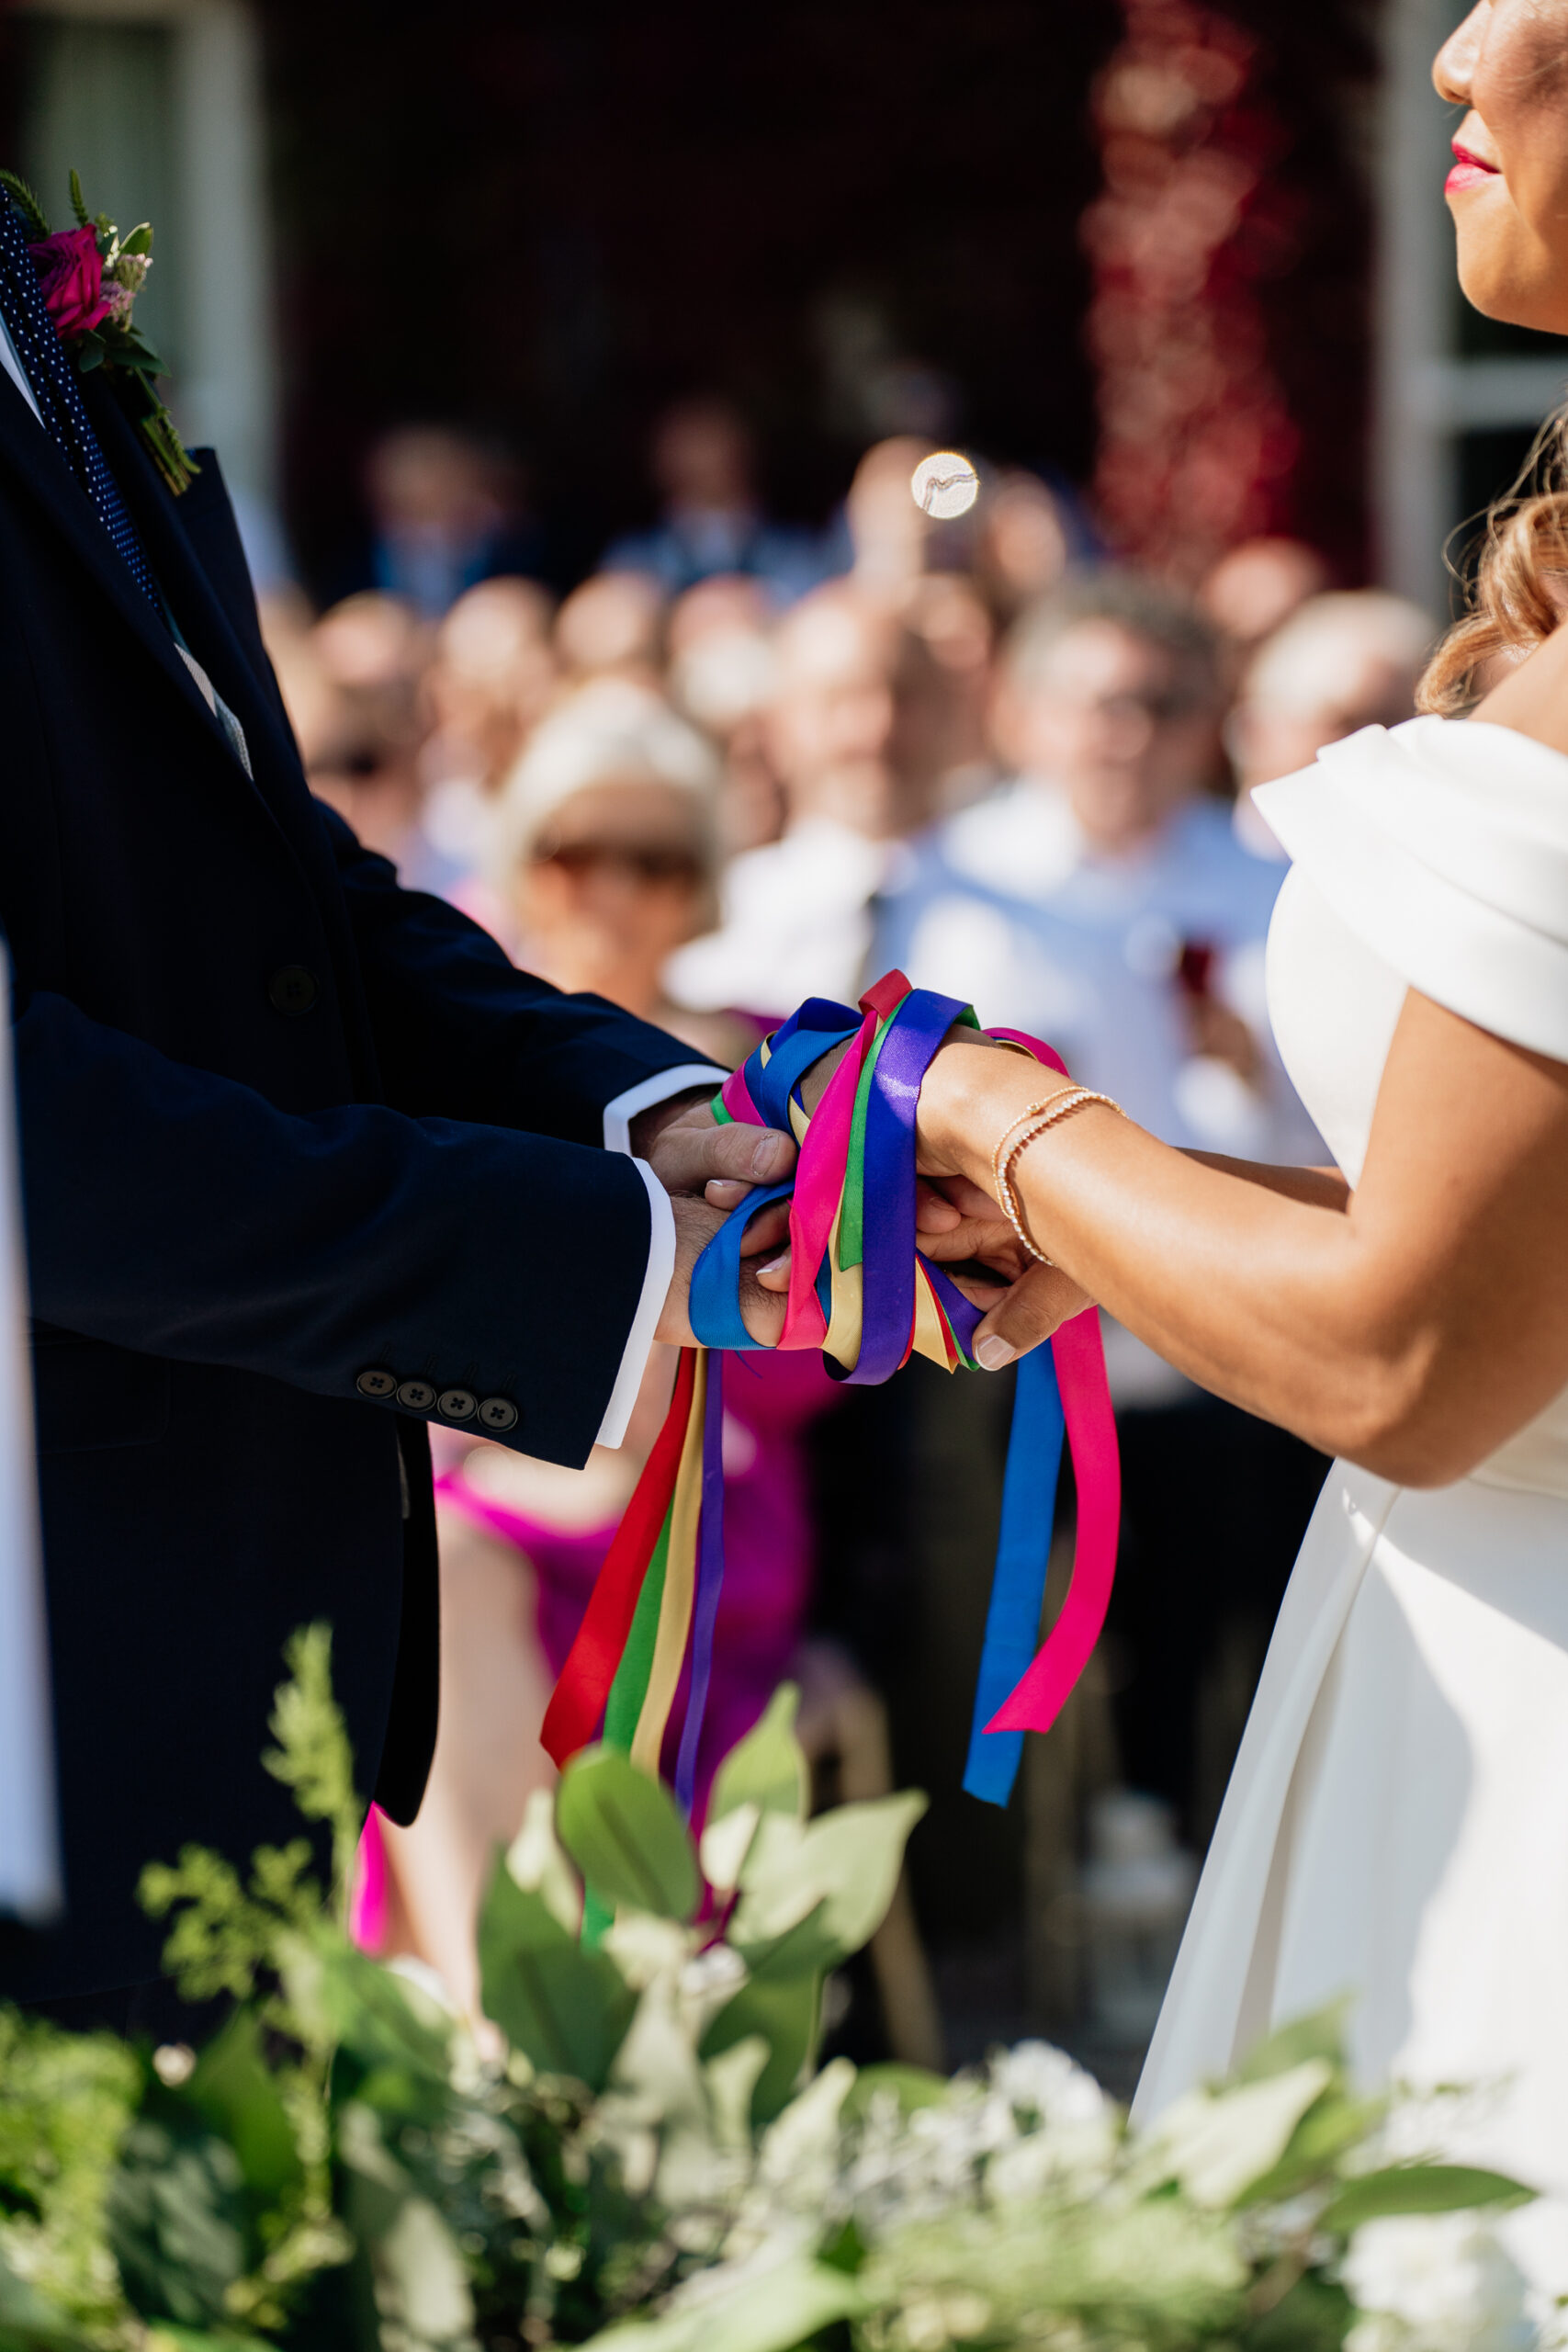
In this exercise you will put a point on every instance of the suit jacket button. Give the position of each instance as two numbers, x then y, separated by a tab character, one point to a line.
417	1395
456	1405
292	989
377	1382
498	1413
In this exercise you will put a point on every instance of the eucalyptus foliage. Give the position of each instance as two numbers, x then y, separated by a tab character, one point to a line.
633	2150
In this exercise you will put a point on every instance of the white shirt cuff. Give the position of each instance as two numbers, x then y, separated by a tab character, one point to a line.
618	1117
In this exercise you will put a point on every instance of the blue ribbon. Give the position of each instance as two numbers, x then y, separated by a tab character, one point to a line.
1034	1453
1018	1587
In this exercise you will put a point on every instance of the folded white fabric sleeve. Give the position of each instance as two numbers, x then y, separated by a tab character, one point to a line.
1443	845
29	1851
618	1117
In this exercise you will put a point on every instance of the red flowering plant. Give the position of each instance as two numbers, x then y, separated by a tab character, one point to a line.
89	277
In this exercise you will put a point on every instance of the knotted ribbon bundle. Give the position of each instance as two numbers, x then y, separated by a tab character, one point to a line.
863	1293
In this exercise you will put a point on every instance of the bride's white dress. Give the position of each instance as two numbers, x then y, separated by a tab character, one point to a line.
1397	1824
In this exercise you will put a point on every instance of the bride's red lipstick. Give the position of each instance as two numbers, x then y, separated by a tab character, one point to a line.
1468	171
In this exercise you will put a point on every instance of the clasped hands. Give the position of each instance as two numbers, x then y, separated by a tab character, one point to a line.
708	1167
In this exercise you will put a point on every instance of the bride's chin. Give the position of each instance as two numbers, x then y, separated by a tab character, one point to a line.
1503	285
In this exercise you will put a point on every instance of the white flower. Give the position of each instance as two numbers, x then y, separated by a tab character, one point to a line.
1035	2076
1434	2283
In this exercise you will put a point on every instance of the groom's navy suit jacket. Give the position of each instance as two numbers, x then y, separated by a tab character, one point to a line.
285	1127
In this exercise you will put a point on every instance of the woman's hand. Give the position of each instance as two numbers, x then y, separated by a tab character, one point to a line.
961	1227
958	1222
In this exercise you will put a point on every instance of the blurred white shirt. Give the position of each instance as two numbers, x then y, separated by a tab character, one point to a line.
796	922
1010	907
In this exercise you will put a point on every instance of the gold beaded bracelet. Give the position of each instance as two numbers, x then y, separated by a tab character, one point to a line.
1051	1111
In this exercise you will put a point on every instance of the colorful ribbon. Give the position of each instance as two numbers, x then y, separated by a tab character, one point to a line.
865	1293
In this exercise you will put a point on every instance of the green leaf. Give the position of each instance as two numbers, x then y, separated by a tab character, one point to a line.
626	1836
176	2215
1420	2188
1320	2035
1315	2316
232	2090
314	1756
768	1768
168	2338
565	2008
912	2086
133	350
1325	2132
809	1948
536	1860
139	240
88	353
30	2323
396	2037
78	202
27	205
771	2312
785	2016
847	1862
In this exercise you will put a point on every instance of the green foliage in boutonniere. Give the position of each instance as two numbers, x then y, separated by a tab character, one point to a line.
89	277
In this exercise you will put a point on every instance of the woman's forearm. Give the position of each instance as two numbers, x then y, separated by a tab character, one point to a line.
1233	1280
1319	1188
1358	1321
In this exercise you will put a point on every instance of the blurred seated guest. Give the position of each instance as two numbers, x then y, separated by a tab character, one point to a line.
721	675
491	681
948	613
1253	589
445	512
857	706
604	853
287	625
1101	901
1340	662
1101	897
889	536
704	466
613	626
1022	550
372	652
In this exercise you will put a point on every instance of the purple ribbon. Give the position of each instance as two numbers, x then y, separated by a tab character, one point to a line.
887	1233
710	1583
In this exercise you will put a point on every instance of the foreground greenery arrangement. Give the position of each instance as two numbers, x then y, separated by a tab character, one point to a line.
635	2152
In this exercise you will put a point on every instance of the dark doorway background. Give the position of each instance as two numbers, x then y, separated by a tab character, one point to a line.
547	221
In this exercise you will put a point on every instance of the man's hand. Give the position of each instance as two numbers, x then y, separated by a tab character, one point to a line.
708	1168
698	1156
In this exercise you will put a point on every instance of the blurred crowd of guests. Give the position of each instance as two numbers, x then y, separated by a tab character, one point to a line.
743	763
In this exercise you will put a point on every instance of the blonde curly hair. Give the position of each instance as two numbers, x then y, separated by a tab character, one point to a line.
1521	582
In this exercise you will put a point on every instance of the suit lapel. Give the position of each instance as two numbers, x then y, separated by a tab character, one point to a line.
41	469
200	613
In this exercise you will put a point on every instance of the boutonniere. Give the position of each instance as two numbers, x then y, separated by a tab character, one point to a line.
89	277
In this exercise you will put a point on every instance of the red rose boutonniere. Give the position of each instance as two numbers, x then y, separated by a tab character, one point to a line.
89	277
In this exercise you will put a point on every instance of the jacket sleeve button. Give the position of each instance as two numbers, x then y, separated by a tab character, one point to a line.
456	1405
417	1395
377	1382
498	1413
292	989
